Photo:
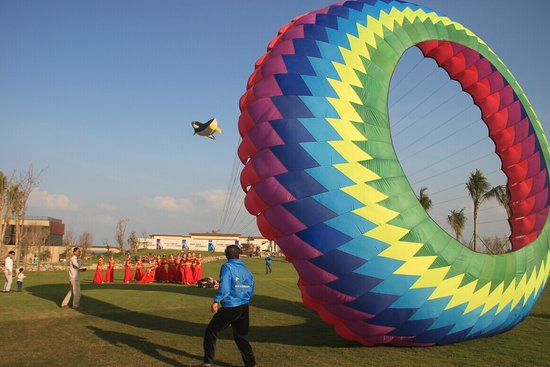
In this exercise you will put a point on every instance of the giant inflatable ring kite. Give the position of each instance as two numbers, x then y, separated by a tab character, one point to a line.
323	179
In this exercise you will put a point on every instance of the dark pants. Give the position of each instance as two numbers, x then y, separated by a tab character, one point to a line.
19	286
237	317
267	268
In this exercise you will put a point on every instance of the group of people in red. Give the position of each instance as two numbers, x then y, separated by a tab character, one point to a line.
185	269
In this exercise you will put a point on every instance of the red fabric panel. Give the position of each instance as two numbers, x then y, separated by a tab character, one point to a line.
253	203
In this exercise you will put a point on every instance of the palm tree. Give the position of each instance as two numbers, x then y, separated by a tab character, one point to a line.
456	220
424	199
501	194
477	187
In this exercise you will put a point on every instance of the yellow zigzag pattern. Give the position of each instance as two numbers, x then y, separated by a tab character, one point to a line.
369	197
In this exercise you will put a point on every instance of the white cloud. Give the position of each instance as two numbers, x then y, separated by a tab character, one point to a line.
43	199
104	219
106	206
215	197
170	204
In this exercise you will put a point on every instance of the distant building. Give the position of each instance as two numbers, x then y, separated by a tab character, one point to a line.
216	242
54	228
47	229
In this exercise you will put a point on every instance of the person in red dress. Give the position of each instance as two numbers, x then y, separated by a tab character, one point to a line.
110	274
139	270
161	269
171	269
197	270
98	277
187	272
177	270
127	270
149	276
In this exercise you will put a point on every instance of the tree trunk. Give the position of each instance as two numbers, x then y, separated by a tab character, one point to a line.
475	227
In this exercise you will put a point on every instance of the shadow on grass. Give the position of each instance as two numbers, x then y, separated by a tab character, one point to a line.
144	346
541	315
320	333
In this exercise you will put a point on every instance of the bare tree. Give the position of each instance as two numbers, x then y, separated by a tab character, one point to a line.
25	184
7	195
35	238
121	233
69	241
133	242
496	245
85	241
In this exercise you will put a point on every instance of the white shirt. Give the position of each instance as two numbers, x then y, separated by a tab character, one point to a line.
74	268
8	267
20	277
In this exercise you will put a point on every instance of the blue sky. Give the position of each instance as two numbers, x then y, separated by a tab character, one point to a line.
99	96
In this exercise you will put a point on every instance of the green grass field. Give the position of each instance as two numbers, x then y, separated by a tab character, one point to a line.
163	324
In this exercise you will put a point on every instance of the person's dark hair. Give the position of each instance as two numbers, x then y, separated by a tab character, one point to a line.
75	249
11	252
21	269
232	252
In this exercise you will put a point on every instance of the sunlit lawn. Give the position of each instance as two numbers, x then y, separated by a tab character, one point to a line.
162	324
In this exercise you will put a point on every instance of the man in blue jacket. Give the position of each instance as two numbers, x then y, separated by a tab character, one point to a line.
234	294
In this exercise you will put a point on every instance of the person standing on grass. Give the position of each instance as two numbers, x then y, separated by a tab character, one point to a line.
75	267
268	262
234	293
20	277
8	271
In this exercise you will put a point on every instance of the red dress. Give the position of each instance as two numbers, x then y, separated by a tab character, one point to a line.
98	277
197	270
161	271
127	271
178	270
110	275
149	276
139	271
171	270
187	272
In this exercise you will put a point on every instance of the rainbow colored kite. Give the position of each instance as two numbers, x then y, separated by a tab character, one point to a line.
322	177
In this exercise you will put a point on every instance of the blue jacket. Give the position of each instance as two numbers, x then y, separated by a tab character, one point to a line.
236	284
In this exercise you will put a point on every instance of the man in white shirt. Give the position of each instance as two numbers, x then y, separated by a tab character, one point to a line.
75	267
8	271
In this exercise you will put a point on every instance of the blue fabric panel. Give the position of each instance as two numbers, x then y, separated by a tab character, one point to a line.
415	298
315	32
483	322
309	211
430	309
449	317
339	11
291	131
364	247
354	284
333	179
319	86
412	327
351	224
326	20
298	64
396	284
338	38
456	337
294	157
330	52
467	321
432	336
324	68
319	107
323	153
323	237
306	47
380	267
338	263
321	131
392	317
372	303
292	84
291	106
300	184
